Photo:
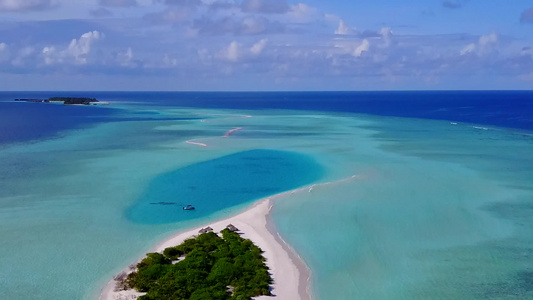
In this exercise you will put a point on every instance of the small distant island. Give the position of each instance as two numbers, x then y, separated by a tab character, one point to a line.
65	100
208	266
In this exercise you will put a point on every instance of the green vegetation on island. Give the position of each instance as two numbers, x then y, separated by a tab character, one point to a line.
73	100
209	267
65	100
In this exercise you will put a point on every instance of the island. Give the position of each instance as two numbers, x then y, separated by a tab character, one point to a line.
65	100
208	266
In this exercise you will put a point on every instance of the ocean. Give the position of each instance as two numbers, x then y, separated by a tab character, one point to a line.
440	208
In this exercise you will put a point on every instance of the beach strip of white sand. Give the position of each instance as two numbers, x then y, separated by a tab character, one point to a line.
289	272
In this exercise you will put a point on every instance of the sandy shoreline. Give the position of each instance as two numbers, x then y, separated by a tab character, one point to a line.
290	274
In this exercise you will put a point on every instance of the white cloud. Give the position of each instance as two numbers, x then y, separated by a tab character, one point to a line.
76	52
386	35
363	47
468	49
129	53
232	52
125	58
485	45
258	47
252	25
208	41
79	49
4	52
204	54
303	13
49	54
343	29
169	61
490	39
235	51
26	5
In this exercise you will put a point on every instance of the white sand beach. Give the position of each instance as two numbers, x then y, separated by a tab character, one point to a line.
291	275
288	271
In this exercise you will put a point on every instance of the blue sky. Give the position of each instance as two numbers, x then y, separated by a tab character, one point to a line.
266	44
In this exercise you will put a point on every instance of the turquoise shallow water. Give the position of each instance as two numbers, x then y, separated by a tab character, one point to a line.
439	211
442	211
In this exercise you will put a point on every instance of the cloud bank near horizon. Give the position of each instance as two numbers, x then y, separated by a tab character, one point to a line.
258	45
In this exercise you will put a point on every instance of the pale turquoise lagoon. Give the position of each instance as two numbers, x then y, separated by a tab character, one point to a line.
437	211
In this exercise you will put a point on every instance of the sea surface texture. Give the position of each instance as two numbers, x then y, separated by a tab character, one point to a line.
401	195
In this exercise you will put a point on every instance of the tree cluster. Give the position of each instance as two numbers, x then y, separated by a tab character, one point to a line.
73	100
212	268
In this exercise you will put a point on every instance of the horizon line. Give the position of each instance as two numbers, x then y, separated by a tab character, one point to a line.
262	91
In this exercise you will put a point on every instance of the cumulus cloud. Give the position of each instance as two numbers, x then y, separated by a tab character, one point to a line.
258	47
125	59
169	62
454	4
527	16
77	51
265	6
490	39
363	47
304	13
26	5
343	29
232	52
240	37
386	35
118	3
470	48
485	44
80	48
235	51
234	17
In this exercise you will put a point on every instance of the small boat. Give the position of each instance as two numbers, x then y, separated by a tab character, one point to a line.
188	207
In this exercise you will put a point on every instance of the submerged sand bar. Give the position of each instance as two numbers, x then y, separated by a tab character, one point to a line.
288	271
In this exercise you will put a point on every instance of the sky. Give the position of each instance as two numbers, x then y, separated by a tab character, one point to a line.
265	45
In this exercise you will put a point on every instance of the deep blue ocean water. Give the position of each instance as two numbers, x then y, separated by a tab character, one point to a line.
28	121
512	109
32	121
